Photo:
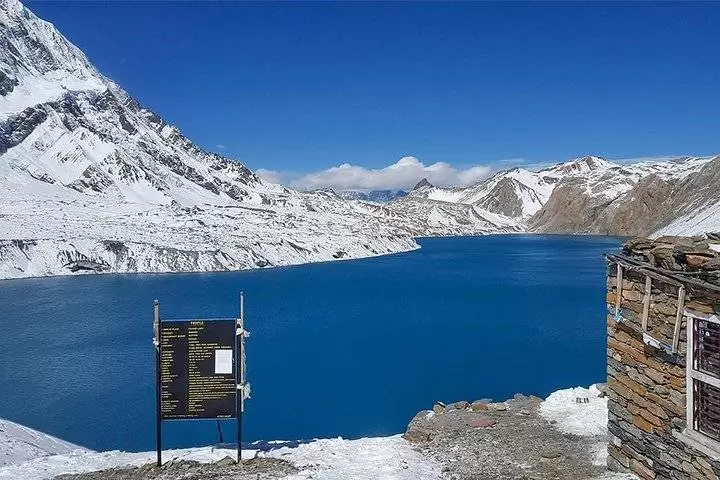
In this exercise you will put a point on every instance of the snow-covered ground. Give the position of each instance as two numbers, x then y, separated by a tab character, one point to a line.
19	444
327	459
32	455
366	458
584	419
80	461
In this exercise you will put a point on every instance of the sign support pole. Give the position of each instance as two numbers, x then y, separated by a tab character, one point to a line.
240	376
158	388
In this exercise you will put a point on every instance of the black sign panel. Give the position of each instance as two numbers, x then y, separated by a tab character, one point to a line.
197	369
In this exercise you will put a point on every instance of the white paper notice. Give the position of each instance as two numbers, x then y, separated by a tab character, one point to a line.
223	361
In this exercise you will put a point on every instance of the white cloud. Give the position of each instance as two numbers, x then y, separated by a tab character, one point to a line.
220	146
270	176
405	173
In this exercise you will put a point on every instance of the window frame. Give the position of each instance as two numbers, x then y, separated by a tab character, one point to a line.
693	436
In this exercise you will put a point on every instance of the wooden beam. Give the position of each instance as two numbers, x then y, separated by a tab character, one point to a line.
619	288
679	318
646	302
671	277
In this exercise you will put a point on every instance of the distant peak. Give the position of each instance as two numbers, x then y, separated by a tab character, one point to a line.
422	184
593	162
584	164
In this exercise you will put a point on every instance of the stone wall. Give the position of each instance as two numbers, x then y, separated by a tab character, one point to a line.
647	385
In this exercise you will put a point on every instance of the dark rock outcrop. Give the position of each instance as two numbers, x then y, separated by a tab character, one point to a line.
422	184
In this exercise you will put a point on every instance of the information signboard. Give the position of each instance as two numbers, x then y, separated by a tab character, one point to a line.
200	371
197	369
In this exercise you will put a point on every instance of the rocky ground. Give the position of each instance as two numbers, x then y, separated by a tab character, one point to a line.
503	441
225	469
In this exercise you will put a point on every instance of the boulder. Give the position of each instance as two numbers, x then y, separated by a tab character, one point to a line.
482	422
673	240
478	406
696	261
712	264
226	461
637	244
663	256
498	407
462	405
420	428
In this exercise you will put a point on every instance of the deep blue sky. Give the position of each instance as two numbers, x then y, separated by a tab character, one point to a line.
307	86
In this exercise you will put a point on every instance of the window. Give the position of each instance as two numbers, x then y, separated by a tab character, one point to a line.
703	378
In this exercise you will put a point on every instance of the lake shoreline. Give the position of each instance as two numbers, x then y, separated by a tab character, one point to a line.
415	239
176	272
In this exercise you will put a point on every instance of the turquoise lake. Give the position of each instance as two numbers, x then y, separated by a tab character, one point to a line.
351	348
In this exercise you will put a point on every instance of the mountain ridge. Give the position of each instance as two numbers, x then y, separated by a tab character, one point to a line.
93	181
581	195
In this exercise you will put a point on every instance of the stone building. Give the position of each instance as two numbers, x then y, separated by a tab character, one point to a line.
663	361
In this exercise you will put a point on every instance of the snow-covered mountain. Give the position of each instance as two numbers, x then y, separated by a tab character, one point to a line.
516	193
636	199
583	195
91	180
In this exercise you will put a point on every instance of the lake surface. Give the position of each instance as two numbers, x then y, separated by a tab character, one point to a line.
352	348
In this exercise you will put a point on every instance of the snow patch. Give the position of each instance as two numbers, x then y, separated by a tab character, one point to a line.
577	418
86	461
366	458
702	220
330	459
19	444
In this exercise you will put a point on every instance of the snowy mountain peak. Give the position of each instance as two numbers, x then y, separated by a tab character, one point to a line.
423	184
581	165
63	126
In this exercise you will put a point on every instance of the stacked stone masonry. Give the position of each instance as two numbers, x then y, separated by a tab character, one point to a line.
647	385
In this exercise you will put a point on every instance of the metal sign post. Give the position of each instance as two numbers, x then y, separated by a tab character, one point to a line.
199	371
240	374
158	386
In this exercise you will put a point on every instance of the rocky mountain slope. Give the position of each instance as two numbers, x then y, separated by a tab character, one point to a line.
91	180
651	197
593	195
